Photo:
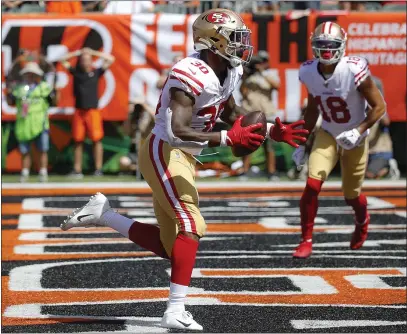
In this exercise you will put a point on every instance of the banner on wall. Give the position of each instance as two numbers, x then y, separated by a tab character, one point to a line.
144	45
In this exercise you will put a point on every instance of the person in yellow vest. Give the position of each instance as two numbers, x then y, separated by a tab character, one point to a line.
32	97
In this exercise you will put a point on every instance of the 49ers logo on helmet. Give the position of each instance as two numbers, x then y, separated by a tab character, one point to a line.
218	18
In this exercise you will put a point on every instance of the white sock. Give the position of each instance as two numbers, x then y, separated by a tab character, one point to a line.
25	172
178	294
118	222
43	171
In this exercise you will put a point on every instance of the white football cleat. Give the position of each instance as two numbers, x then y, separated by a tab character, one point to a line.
180	320
88	215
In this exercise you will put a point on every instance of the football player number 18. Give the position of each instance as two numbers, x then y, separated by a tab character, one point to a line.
338	109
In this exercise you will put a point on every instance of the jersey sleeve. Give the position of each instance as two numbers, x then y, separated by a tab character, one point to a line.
187	78
360	70
302	73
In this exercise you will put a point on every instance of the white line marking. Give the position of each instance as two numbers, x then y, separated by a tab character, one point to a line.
368	243
314	324
197	301
33	204
371	282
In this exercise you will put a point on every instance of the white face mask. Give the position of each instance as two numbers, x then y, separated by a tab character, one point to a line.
328	51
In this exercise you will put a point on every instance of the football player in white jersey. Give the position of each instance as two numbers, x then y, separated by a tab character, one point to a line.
197	92
341	89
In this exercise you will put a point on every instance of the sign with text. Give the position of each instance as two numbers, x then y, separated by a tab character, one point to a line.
144	45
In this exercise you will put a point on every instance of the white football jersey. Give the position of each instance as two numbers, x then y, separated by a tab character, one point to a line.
341	105
195	77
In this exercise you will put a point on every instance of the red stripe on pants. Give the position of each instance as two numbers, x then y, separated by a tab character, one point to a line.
174	189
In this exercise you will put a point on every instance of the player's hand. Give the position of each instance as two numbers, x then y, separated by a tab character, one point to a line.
299	157
244	136
288	133
348	139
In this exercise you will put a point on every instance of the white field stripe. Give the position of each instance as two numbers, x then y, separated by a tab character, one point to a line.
356	269
167	186
15	311
371	282
33	204
346	251
368	243
319	324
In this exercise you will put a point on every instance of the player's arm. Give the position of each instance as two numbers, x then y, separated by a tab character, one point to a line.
181	106
232	111
375	99
65	60
180	133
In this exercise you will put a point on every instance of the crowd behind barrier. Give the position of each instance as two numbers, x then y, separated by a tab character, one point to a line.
192	6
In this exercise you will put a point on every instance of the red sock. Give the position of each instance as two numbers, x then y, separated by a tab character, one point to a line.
359	205
309	207
148	237
183	259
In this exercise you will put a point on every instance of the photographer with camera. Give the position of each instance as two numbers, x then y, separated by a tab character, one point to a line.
256	89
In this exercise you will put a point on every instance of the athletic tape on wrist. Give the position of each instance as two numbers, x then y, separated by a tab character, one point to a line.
223	138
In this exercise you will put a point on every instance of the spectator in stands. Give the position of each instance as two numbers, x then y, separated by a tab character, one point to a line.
303	5
24	56
381	162
11	6
32	97
87	117
206	5
94	5
128	7
268	6
138	126
64	7
352	5
256	90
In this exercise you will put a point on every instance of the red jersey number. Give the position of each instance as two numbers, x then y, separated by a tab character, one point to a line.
202	67
212	114
338	109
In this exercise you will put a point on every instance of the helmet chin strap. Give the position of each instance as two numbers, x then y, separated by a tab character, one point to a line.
203	45
232	61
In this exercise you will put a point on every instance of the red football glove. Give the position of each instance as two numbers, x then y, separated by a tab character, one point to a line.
288	133
244	136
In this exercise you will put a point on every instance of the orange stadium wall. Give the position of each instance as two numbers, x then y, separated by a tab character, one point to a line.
145	44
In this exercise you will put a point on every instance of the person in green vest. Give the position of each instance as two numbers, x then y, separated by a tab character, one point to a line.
32	98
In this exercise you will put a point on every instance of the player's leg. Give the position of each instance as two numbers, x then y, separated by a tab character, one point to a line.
178	197
98	212
353	166
322	160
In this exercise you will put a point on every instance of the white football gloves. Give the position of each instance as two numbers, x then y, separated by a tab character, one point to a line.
299	157
349	139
